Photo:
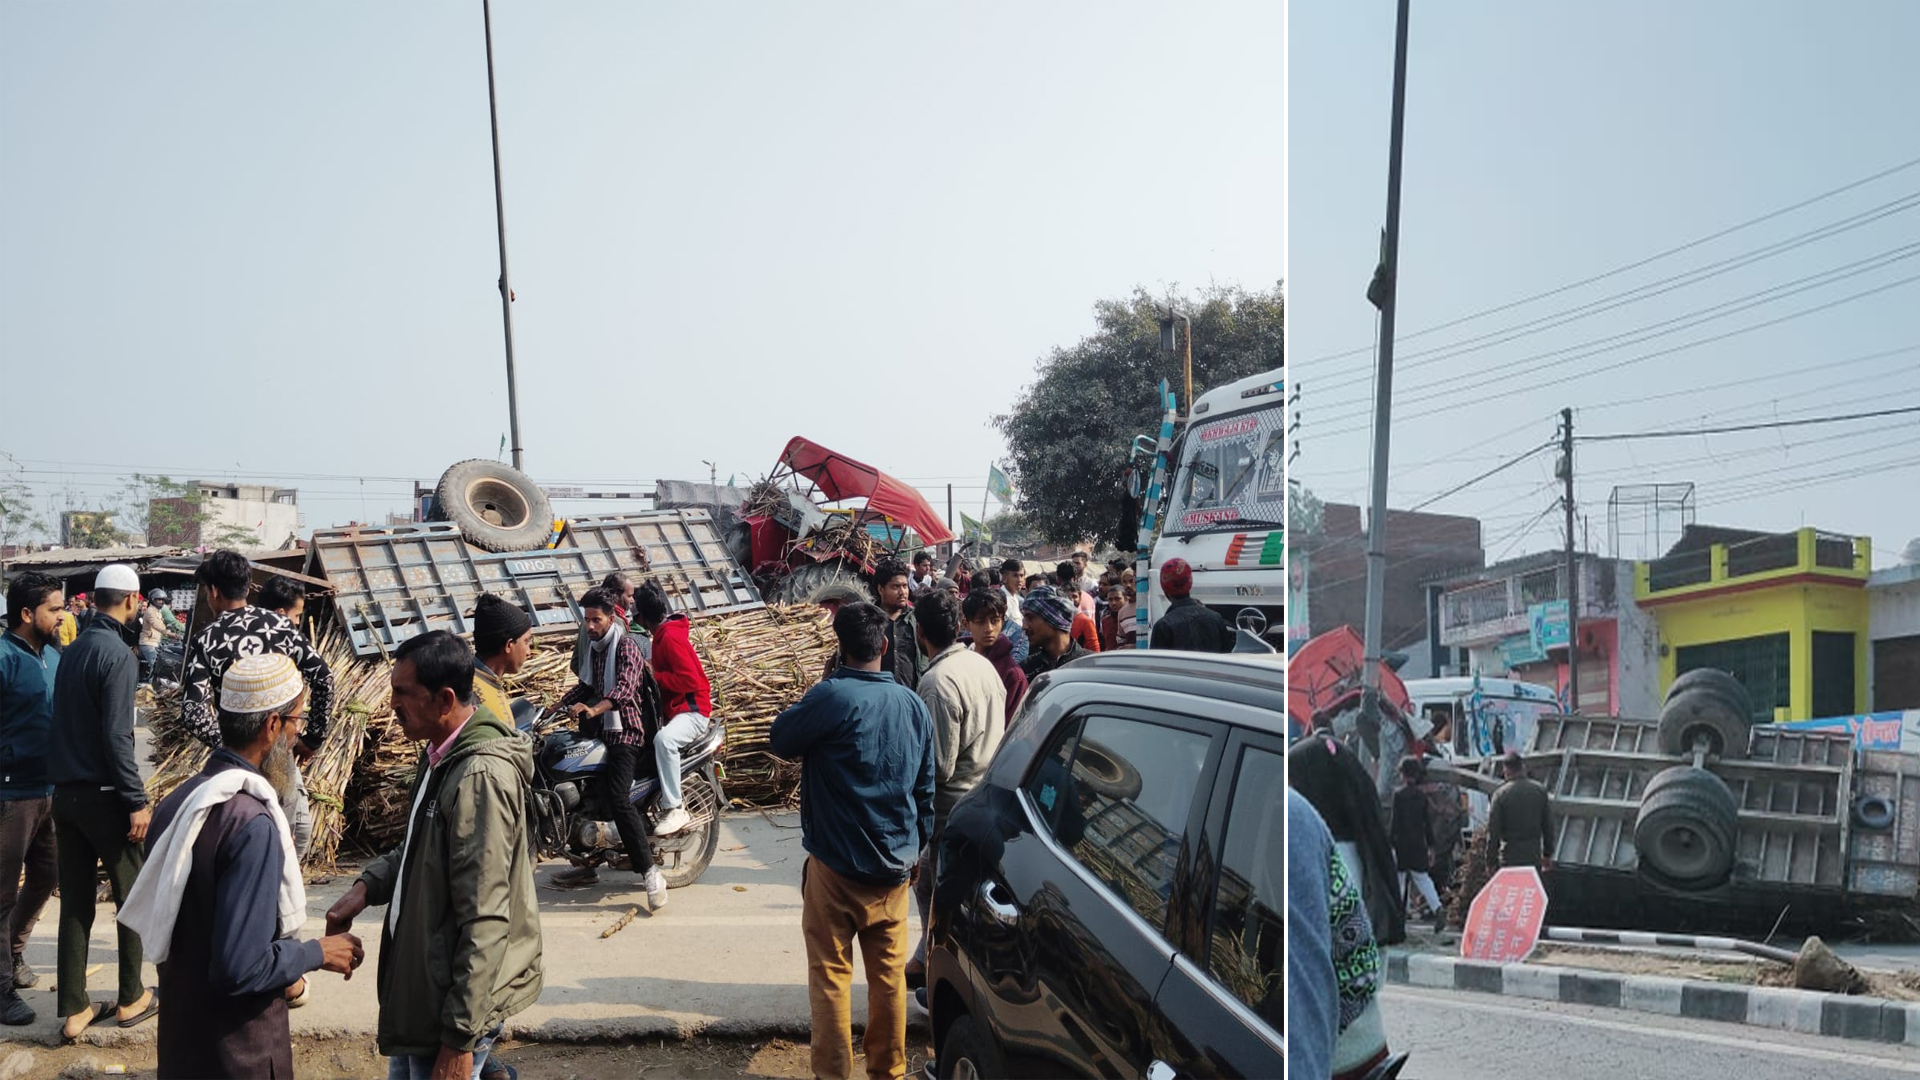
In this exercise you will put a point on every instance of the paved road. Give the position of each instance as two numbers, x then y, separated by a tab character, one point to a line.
724	957
1464	1036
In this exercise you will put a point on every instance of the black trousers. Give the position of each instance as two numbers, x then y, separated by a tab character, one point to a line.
90	831
622	759
26	844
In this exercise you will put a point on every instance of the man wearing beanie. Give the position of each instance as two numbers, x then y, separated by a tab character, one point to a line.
1187	624
100	811
1049	621
220	897
502	642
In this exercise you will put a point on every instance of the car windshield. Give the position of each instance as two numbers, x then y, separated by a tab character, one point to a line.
1231	474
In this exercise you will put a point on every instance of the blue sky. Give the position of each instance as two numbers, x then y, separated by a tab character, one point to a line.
257	241
1548	143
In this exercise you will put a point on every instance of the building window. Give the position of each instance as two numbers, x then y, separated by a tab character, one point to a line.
1832	674
1762	664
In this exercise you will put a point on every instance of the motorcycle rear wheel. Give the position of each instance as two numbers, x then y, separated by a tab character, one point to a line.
684	856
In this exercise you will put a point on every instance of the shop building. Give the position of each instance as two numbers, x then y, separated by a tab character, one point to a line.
1786	613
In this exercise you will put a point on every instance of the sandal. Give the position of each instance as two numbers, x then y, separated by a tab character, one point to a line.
101	1010
153	1006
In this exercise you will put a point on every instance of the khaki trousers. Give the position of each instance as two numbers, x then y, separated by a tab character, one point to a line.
834	912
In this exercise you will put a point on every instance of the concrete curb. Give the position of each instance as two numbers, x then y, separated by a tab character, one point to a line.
1806	1012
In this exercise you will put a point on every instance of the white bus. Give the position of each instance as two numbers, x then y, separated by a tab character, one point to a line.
1226	505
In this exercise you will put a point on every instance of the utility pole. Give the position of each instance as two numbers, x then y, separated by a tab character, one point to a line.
500	219
1383	292
1573	577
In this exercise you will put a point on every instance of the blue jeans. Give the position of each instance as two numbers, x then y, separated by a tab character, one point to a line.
421	1067
676	735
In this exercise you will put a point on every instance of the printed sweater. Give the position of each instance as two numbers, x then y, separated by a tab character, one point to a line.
250	631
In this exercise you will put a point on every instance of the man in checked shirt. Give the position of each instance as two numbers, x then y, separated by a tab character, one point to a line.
240	629
606	703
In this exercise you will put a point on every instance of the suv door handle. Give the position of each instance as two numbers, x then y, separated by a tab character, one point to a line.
1160	1070
998	909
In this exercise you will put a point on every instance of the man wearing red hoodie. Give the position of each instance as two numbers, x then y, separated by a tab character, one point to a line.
686	697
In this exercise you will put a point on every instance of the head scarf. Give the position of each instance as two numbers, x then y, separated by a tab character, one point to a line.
1176	578
1055	610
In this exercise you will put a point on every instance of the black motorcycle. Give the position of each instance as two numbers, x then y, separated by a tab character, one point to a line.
573	815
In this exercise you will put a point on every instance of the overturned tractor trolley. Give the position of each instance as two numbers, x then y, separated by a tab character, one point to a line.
1699	820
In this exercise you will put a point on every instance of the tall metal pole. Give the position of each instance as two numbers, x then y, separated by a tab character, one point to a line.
1573	578
1189	321
1383	294
500	218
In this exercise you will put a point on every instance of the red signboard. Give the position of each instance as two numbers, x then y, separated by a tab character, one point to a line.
1198	518
1504	923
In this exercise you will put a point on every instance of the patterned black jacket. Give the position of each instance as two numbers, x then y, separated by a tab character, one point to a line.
250	631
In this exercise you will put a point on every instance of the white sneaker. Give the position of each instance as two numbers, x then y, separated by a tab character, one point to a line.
673	821
656	889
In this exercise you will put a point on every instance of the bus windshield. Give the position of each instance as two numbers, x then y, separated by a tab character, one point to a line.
1231	474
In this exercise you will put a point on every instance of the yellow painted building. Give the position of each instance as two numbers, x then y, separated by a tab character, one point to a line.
1786	614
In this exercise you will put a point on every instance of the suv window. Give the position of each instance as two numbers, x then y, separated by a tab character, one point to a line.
1117	798
1247	927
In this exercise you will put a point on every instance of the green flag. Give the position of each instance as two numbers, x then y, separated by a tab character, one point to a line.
973	531
999	485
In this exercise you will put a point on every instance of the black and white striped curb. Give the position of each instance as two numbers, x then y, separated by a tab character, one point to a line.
1805	1011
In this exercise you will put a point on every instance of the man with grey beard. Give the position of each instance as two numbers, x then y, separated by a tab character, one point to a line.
220	897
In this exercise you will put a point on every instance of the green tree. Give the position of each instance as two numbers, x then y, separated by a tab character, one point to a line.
170	512
19	523
1069	434
1305	513
94	529
1012	531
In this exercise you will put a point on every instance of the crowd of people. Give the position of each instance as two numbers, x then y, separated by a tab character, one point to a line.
207	883
1357	875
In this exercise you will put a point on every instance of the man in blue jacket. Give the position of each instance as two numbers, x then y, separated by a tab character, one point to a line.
866	749
29	660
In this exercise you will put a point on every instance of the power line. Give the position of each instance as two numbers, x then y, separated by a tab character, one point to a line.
1448	386
1502	467
1589	372
1799	372
1636	264
1730	429
1662	287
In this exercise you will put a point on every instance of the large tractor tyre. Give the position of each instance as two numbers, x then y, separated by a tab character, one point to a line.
1715	683
497	508
1105	772
835	582
1703	710
1687	829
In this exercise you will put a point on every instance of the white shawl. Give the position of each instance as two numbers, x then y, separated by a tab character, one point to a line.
153	904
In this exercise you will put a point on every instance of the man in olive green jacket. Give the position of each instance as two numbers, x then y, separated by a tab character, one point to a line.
459	890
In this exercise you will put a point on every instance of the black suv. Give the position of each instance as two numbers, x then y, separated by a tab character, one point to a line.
1108	901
